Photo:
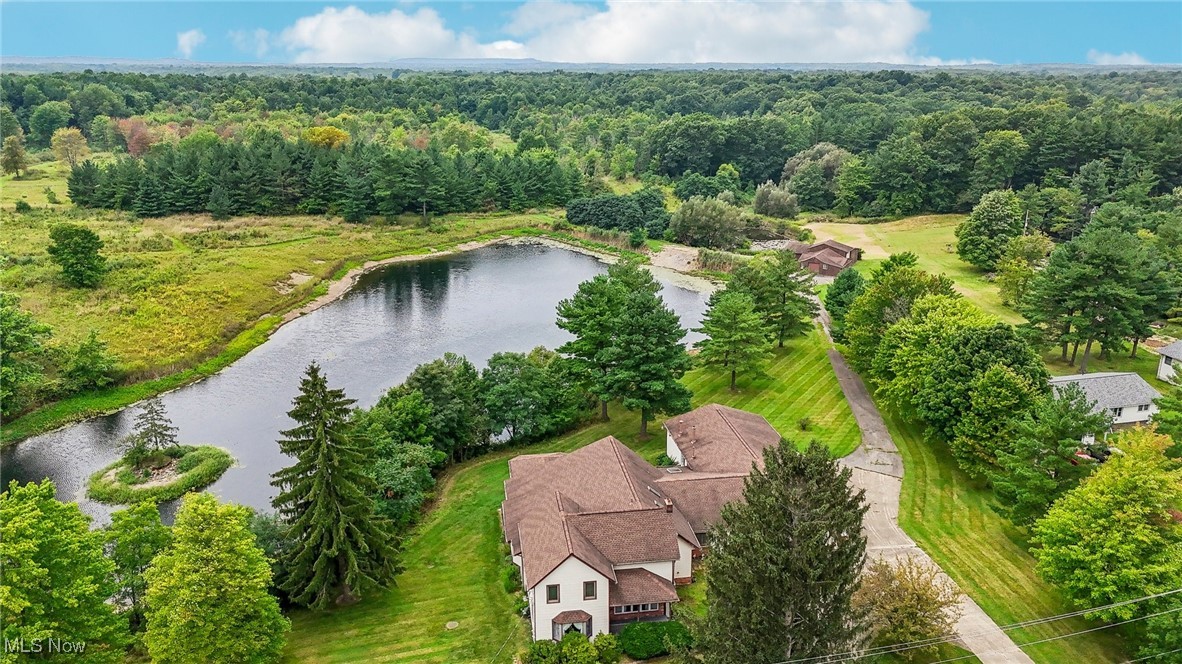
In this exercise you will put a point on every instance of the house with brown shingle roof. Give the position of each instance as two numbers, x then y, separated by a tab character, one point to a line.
826	258
602	536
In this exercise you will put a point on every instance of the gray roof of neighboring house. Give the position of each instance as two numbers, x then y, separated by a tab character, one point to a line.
1111	389
1173	350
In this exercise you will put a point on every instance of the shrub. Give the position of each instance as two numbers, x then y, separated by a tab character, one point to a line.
510	577
607	648
636	238
664	461
805	423
542	652
645	640
51	196
23	206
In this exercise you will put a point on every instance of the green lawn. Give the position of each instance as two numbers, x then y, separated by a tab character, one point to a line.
951	518
453	557
932	239
1145	364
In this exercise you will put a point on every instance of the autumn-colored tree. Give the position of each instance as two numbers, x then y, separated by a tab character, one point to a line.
136	134
13	158
69	145
326	137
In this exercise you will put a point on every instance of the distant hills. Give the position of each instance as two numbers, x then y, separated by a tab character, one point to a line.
28	65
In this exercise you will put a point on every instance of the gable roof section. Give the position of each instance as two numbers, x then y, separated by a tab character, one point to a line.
1173	350
700	496
599	504
1110	389
721	439
639	586
840	246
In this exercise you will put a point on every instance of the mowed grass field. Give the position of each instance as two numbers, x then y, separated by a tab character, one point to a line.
952	519
932	238
453	557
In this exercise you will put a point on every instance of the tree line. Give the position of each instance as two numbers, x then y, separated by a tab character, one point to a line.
271	176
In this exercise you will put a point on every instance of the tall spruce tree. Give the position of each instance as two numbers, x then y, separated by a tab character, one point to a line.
784	563
340	547
153	428
647	358
792	307
736	336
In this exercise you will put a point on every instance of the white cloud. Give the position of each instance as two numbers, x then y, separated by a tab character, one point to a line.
624	31
188	41
354	35
256	41
1127	58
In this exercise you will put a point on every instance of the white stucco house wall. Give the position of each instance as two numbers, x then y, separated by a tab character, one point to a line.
1168	360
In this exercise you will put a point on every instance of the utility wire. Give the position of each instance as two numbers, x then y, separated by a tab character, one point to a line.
836	658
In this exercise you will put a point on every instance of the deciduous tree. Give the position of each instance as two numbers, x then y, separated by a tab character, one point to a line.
133	539
207	593
981	238
56	579
907	602
76	249
69	145
13	159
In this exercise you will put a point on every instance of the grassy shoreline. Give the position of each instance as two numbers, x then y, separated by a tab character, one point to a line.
223	353
208	464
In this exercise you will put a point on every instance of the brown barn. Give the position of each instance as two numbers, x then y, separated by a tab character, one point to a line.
827	258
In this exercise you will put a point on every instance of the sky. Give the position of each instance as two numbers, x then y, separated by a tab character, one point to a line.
615	31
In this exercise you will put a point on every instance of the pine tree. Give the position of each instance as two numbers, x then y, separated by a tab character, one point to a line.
153	428
647	358
341	548
736	337
219	205
784	563
792	306
83	184
149	197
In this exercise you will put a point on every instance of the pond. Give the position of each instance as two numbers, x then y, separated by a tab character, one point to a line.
497	298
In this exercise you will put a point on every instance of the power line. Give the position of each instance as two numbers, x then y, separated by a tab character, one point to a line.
836	658
1160	654
1070	634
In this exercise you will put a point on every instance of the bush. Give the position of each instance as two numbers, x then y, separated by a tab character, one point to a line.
645	640
607	648
510	577
542	652
805	423
23	206
636	238
664	461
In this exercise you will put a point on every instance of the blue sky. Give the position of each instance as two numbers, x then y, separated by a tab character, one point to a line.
897	31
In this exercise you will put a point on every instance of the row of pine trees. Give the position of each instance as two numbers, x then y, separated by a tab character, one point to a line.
273	176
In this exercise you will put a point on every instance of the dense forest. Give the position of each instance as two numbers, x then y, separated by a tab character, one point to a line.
871	144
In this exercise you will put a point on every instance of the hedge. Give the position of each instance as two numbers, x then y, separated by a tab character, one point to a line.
645	640
199	467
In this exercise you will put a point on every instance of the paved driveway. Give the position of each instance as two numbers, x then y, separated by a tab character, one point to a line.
878	469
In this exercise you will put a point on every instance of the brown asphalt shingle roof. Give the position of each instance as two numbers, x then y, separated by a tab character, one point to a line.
639	586
700	496
720	439
570	617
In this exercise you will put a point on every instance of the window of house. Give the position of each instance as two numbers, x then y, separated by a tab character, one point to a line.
552	594
1142	408
588	590
1169	360
635	608
1117	411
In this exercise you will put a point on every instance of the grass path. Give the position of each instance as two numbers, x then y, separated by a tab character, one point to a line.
453	558
932	238
951	518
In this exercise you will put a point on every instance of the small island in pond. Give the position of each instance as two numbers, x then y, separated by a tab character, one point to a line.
155	466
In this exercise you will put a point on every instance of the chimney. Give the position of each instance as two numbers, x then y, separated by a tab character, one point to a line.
668	505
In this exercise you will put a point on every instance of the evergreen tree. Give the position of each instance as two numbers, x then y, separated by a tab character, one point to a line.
791	308
56	579
341	549
149	197
207	593
736	336
784	563
219	205
322	184
153	428
841	294
1041	463
134	537
647	358
83	183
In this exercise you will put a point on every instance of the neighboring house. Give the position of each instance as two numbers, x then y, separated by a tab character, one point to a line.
1168	360
826	258
602	537
1125	396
